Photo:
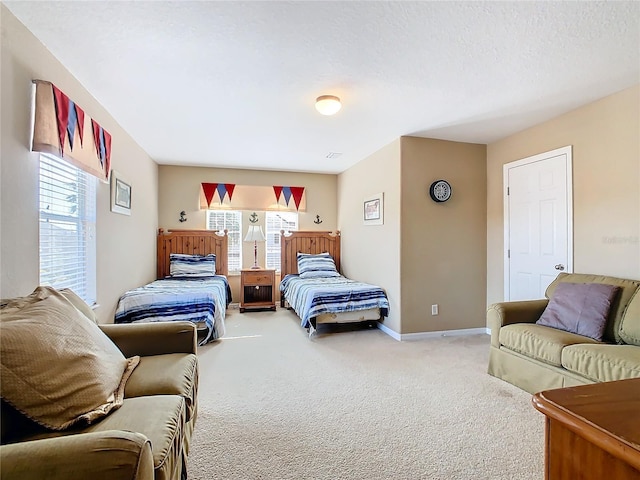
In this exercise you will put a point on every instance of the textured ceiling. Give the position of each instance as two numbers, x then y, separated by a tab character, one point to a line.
232	84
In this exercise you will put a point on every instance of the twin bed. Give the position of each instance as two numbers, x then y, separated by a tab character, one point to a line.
319	294
192	284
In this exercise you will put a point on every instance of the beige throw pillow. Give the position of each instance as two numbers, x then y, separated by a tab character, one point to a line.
80	304
57	366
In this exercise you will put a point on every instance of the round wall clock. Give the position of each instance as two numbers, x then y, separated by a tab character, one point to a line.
440	191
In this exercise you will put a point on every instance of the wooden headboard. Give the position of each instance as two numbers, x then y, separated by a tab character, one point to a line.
306	242
192	242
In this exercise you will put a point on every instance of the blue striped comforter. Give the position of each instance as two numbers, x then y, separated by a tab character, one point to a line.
310	297
202	300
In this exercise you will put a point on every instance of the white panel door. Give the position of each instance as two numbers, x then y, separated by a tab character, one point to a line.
538	233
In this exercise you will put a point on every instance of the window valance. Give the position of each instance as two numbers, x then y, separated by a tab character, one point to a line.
228	196
60	127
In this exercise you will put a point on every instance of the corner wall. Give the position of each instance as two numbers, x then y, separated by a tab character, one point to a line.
125	244
605	136
443	247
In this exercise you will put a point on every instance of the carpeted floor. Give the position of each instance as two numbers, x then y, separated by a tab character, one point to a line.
274	404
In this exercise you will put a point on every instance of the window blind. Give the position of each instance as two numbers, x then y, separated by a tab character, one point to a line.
231	220
67	227
276	221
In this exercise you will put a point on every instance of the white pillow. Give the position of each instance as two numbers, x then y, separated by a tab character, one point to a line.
314	266
184	265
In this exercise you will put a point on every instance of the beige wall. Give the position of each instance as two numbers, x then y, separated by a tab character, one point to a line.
371	253
606	173
443	246
125	244
179	189
605	136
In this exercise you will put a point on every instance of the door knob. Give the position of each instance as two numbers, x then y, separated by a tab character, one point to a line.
559	267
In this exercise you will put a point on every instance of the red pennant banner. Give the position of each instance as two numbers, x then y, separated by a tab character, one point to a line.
107	145
80	116
102	142
230	187
209	190
59	121
297	193
62	114
96	137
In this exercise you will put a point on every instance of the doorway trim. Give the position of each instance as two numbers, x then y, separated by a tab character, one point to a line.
567	152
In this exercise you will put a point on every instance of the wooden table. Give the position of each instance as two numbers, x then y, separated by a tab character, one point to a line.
257	289
592	431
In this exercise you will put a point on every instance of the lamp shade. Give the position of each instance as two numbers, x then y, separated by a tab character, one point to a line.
328	104
254	234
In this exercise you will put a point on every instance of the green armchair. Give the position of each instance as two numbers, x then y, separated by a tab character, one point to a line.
147	438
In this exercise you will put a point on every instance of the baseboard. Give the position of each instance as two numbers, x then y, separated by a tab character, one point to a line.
393	334
422	335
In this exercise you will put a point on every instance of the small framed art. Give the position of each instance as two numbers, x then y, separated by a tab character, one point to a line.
120	194
373	209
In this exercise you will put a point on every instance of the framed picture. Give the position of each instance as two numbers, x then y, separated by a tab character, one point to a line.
373	210
120	194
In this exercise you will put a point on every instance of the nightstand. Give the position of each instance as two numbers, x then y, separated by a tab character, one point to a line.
257	289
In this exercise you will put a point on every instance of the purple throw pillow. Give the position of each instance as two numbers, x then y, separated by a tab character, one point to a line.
581	308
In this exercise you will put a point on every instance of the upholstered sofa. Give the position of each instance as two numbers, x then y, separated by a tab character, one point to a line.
536	357
145	437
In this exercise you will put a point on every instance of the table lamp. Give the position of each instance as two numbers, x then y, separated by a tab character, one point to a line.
255	235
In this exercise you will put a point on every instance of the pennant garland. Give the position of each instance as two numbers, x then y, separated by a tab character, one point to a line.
209	190
107	144
223	189
62	115
288	192
102	142
80	117
71	124
278	191
69	116
230	187
103	148
96	137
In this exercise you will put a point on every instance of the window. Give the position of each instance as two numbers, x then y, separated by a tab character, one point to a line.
232	221
67	227
277	221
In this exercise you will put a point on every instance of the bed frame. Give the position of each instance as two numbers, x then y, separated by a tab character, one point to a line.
292	243
314	242
318	242
192	242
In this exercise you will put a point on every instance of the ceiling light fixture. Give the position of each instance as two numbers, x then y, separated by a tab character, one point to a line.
328	104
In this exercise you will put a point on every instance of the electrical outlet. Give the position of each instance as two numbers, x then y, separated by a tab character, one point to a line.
434	309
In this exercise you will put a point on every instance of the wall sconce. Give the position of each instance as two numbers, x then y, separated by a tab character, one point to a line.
183	216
